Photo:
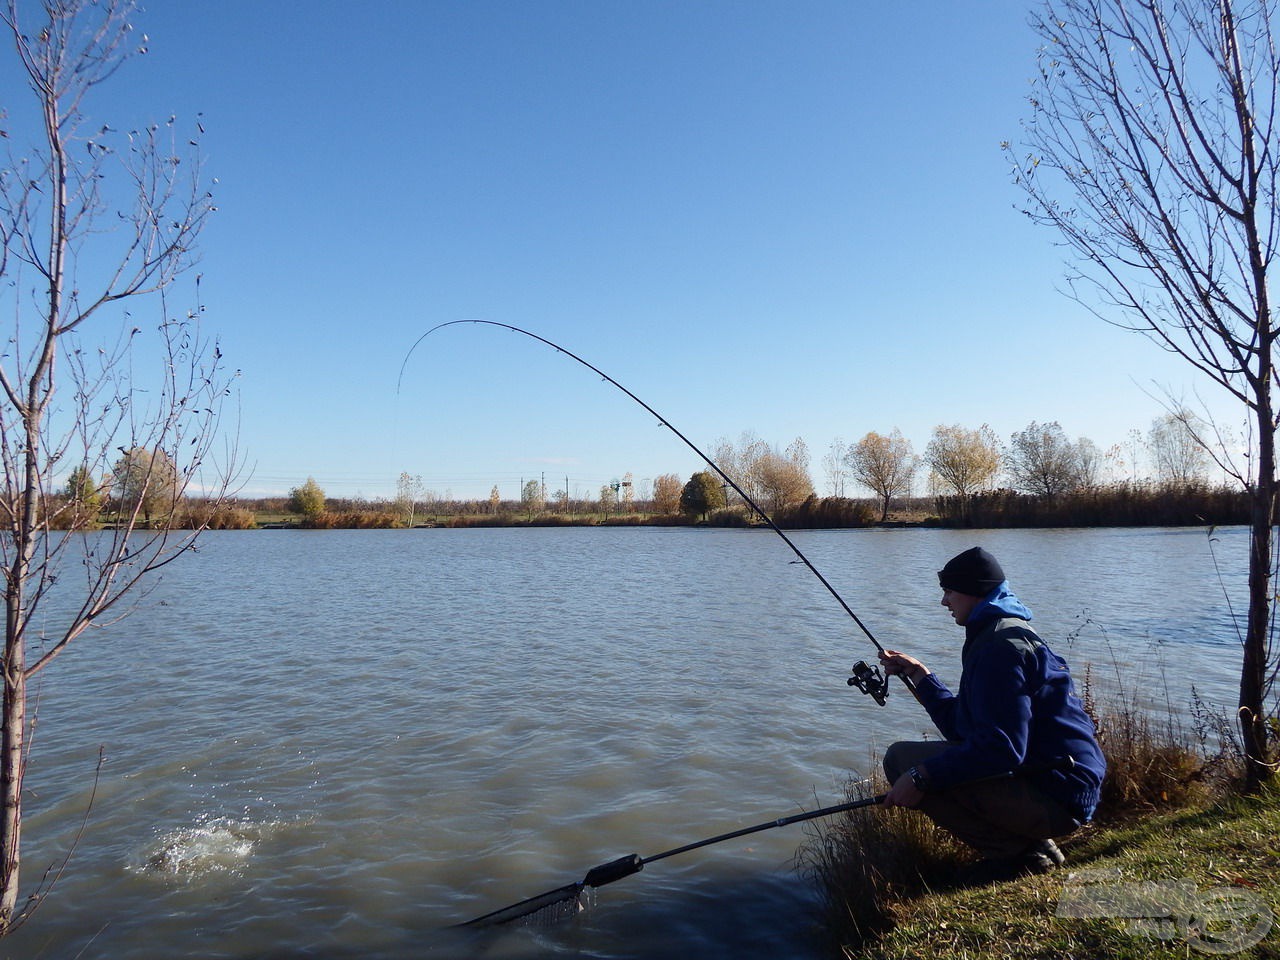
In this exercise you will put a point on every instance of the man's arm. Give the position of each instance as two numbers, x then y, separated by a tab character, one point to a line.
998	715
929	690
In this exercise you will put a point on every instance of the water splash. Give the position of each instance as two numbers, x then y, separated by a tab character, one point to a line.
214	846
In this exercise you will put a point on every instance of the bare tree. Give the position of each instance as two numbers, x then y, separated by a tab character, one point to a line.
409	489
1134	454
1090	461
1153	151
833	465
1042	461
628	492
94	224
742	463
1180	456
798	453
885	465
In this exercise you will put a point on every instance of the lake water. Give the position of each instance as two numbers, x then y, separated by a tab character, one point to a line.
336	744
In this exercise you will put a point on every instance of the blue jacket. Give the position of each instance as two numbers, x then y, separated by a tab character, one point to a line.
1017	710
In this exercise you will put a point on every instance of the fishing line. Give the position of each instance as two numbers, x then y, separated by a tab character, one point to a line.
866	678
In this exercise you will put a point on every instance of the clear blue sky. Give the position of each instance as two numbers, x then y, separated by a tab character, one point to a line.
789	218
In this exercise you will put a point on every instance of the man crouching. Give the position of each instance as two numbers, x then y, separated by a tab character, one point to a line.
1016	713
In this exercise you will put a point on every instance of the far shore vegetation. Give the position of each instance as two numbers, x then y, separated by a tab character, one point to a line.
1040	478
1117	505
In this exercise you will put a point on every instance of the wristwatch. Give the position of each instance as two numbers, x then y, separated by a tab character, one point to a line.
918	778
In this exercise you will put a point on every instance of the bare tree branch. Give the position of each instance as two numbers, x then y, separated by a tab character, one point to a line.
1156	118
82	401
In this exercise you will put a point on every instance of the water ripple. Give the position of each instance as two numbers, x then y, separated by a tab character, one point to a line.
335	744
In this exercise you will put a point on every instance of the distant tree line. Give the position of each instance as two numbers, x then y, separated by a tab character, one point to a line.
1039	477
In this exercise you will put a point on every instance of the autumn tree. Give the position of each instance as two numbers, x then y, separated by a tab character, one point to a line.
963	461
666	494
96	225
702	494
766	475
532	496
146	482
1041	460
884	465
608	497
1152	150
781	480
308	499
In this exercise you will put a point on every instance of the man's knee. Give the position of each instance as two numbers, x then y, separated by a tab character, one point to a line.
905	754
896	761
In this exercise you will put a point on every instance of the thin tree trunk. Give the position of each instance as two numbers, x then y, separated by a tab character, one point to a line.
1252	713
11	768
25	534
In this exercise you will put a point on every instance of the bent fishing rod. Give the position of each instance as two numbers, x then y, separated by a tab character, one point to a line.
866	677
570	894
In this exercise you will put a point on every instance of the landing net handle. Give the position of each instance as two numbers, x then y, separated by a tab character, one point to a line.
567	898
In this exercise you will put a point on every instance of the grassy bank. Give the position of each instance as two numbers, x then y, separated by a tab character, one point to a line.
1173	851
1223	856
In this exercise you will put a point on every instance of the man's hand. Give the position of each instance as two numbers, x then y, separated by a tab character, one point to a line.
903	793
896	663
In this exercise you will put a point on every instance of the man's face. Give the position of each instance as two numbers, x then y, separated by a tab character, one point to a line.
960	605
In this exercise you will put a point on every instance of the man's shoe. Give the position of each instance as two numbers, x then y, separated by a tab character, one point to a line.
1050	850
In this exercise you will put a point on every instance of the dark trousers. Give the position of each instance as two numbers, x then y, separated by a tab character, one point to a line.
999	818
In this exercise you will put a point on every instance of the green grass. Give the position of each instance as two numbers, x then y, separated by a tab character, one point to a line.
1232	845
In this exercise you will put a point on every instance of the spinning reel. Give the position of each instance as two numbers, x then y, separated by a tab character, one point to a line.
870	680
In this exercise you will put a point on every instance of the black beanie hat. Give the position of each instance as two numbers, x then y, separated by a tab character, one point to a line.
974	572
